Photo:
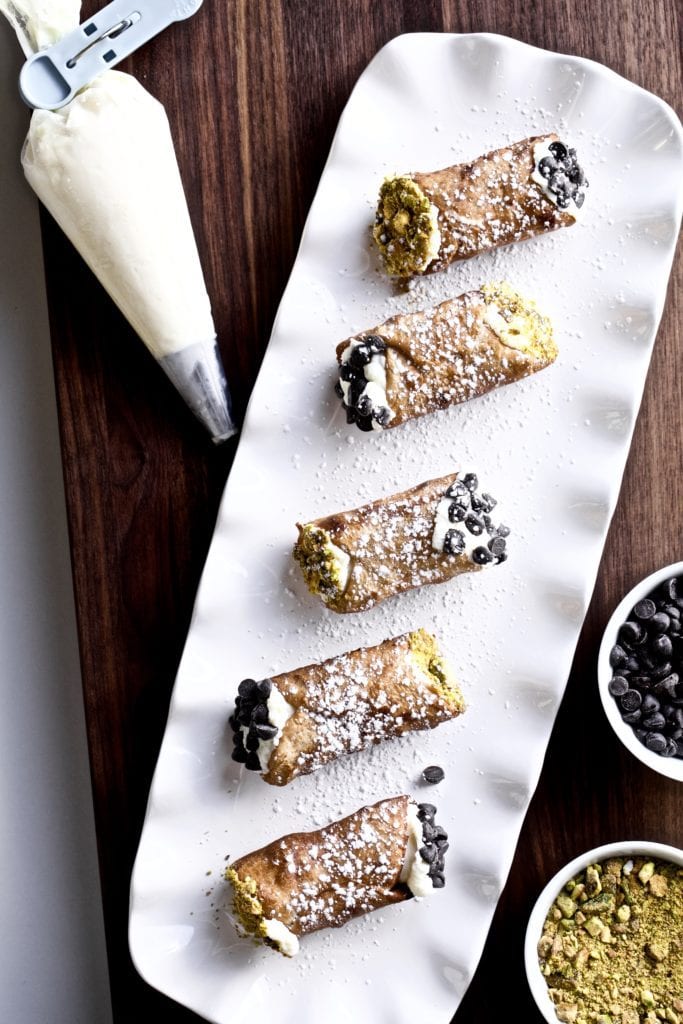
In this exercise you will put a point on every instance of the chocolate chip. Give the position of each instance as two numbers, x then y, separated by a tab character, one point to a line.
503	531
360	355
428	854
497	545
631	717
426	812
375	343
655	721
382	415
660	622
630	700
456	512
488	502
617	656
650	704
266	731
632	633
645	609
471	481
456	488
364	405
454	542
239	754
482	556
438	881
433	774
671	748
661	646
670	589
246	688
617	686
338	390
655	742
559	150
475	524
253	763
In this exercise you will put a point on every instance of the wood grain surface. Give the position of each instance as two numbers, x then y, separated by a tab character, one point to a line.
254	89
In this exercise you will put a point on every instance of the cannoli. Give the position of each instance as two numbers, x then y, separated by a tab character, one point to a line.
299	721
380	855
437	530
417	363
426	221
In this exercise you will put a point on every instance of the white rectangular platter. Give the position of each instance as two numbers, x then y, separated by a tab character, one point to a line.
552	449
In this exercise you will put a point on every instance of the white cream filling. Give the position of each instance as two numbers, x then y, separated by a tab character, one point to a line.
434	240
279	713
513	332
541	150
279	933
343	564
442	525
415	871
375	373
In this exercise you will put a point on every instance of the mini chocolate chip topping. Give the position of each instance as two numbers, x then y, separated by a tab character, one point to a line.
647	667
563	175
435	844
251	712
470	510
358	404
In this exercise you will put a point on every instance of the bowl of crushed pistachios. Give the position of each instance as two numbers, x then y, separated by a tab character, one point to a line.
604	942
640	671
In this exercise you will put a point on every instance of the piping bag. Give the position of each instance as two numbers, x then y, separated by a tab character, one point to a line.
99	155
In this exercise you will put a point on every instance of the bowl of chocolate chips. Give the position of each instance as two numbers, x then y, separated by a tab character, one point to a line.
640	671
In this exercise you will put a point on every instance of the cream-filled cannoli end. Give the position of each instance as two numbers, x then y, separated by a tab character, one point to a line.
517	322
250	917
325	566
406	227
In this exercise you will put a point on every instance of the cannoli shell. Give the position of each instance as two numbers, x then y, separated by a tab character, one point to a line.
443	356
389	542
357	699
490	201
322	879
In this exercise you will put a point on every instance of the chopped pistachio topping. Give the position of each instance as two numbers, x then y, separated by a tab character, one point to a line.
517	321
425	651
245	903
324	565
406	228
622	960
249	913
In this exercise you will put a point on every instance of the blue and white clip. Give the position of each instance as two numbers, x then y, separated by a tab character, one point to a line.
52	77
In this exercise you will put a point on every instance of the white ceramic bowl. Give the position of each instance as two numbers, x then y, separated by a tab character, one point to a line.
672	767
626	848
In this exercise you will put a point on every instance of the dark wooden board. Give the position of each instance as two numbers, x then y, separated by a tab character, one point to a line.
254	91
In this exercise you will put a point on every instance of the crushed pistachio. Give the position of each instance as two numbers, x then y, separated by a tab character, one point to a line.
324	565
517	322
621	961
425	650
406	227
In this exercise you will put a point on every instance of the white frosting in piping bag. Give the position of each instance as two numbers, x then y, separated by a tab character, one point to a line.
105	167
40	23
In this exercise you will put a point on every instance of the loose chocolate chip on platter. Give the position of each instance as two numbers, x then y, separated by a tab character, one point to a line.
433	774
